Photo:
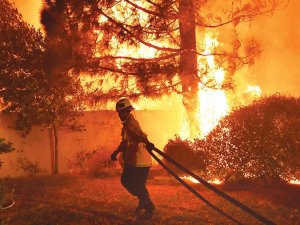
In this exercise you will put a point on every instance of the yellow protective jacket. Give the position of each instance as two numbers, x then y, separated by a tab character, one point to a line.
133	147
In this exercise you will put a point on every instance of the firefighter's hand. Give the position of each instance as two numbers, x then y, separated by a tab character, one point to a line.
150	146
113	156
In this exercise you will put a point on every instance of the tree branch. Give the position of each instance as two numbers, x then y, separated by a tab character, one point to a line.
140	59
143	9
214	26
157	5
117	70
137	37
152	3
243	16
153	30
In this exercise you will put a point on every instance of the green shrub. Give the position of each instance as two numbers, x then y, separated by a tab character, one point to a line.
261	140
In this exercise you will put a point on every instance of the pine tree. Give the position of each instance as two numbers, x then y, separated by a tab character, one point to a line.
96	32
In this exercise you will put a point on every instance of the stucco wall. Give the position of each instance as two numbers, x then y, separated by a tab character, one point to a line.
102	133
35	147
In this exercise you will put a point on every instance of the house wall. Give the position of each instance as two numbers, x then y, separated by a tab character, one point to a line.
102	133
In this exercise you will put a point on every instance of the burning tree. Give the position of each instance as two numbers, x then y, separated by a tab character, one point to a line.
154	47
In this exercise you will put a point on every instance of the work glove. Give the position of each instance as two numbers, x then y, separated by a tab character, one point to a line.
113	156
150	146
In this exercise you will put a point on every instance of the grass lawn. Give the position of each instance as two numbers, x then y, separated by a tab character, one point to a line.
102	200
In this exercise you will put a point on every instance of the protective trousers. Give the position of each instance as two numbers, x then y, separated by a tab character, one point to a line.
134	180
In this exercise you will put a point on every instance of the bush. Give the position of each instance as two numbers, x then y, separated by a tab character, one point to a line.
184	153
5	147
261	140
28	167
79	164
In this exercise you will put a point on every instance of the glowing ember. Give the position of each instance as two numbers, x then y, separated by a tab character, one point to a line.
294	182
215	181
189	178
193	180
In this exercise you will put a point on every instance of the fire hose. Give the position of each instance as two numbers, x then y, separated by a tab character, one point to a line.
209	186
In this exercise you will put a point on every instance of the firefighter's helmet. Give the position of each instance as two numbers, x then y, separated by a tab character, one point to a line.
123	104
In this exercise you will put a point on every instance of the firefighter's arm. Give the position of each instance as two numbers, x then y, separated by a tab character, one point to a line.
114	155
149	145
134	127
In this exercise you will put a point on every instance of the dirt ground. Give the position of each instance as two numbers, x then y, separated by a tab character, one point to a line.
101	199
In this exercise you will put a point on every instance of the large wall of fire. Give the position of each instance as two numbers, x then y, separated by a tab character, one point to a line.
275	71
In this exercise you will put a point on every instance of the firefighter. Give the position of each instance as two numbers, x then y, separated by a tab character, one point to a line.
134	149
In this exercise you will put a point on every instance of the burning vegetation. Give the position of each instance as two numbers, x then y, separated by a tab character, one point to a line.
151	49
258	142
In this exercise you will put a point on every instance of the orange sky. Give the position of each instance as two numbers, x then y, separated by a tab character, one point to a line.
277	70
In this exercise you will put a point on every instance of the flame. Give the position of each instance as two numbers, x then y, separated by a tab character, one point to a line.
213	102
190	178
185	130
297	182
2	105
193	180
217	181
254	90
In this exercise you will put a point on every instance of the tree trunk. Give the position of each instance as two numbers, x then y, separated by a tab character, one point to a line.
55	149
188	63
51	141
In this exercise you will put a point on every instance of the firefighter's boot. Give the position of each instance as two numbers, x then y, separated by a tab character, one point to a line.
140	207
149	209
